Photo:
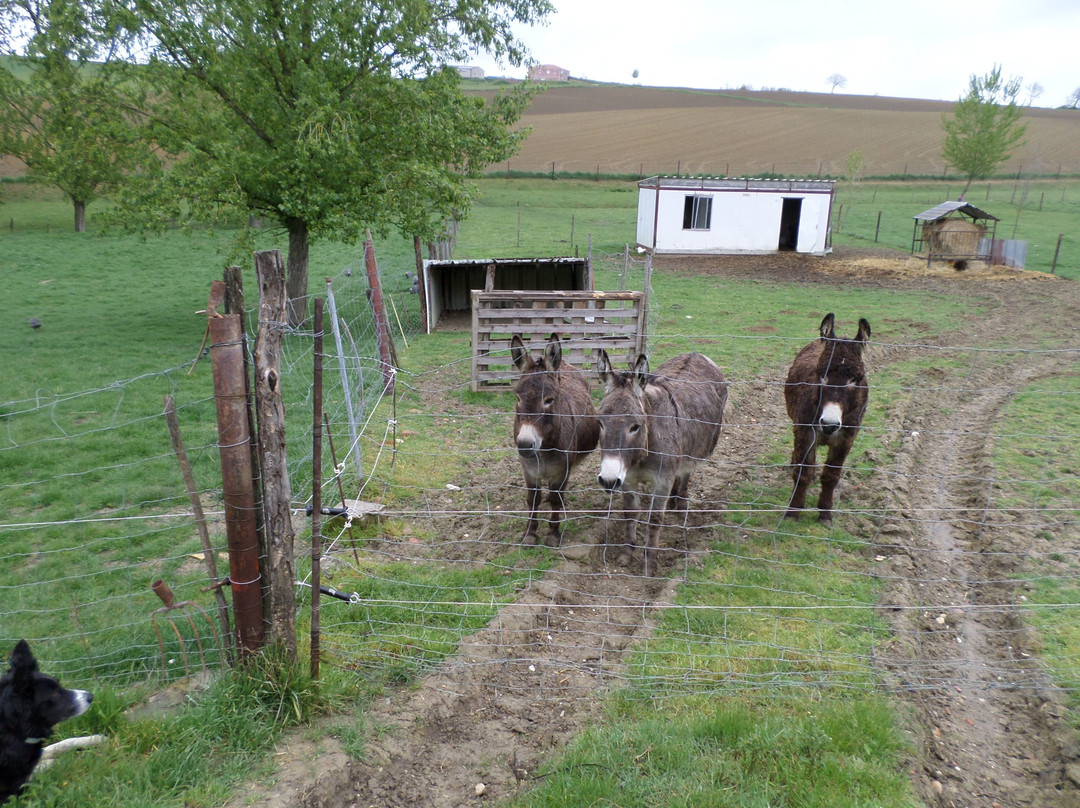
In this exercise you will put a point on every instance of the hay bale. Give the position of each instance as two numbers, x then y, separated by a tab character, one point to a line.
953	236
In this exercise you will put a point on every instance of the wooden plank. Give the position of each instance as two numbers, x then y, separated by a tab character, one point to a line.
584	320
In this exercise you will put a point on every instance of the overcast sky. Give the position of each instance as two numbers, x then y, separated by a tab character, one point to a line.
907	50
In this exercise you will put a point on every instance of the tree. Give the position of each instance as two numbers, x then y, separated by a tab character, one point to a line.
856	165
985	126
836	80
62	115
1034	91
1073	99
327	117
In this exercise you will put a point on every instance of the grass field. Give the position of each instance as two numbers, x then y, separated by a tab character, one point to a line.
82	439
526	217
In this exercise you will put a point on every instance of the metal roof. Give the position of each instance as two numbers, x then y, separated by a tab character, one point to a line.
945	208
736	184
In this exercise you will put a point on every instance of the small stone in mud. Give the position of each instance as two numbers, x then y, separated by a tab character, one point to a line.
936	786
480	789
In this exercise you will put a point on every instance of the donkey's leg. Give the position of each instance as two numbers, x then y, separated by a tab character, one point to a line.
680	499
803	469
655	513
558	512
534	494
830	476
630	516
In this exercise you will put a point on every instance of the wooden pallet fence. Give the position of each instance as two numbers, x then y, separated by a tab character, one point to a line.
584	320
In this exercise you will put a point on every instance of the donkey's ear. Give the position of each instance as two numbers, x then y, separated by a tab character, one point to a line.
827	329
518	353
604	370
640	369
864	330
553	352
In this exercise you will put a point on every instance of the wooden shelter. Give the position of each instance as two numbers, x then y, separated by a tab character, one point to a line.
448	285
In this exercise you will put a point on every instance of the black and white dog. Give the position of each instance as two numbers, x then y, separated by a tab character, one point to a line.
31	704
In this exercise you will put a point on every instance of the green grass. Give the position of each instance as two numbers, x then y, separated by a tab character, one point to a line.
1038	480
811	752
119	333
192	757
1036	211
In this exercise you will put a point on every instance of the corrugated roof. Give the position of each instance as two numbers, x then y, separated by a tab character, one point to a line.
945	208
736	184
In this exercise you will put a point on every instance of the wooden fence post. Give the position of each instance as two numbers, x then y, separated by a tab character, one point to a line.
234	304
270	416
1057	249
382	322
200	522
238	487
421	284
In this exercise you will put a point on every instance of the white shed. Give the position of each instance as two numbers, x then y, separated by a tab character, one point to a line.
709	215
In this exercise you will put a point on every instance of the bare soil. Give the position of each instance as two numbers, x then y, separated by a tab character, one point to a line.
988	727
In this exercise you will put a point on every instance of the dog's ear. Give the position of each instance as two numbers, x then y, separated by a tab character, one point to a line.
22	660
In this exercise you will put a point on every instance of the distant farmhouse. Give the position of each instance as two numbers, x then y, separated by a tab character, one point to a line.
469	72
548	73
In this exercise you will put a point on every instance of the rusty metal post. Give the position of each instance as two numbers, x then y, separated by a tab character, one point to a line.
273	460
238	488
316	488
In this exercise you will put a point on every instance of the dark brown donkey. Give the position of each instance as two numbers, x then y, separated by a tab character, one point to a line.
555	427
654	430
826	394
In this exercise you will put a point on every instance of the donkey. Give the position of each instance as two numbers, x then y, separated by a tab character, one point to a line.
825	394
654	431
555	428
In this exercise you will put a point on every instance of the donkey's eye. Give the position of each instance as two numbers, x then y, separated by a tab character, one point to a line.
634	429
852	383
549	401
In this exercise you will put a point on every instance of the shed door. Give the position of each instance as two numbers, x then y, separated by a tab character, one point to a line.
789	224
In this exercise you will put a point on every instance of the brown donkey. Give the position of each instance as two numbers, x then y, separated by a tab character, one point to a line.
654	431
555	427
825	394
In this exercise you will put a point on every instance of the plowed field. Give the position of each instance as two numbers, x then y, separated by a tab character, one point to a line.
631	130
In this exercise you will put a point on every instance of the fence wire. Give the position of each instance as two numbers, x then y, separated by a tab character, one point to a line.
956	534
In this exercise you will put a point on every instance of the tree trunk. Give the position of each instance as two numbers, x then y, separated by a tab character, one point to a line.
297	283
80	216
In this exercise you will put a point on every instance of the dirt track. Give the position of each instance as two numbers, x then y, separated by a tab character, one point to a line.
988	726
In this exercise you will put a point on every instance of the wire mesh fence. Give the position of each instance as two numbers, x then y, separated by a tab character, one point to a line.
955	536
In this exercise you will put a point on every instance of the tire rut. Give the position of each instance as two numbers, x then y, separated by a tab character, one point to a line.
990	729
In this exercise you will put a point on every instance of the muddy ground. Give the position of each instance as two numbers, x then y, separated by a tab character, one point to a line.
988	727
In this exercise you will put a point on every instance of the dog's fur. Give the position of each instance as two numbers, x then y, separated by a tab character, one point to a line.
31	704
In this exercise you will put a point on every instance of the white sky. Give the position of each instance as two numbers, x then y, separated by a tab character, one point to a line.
906	50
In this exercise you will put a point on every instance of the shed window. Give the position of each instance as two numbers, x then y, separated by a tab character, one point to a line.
697	212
